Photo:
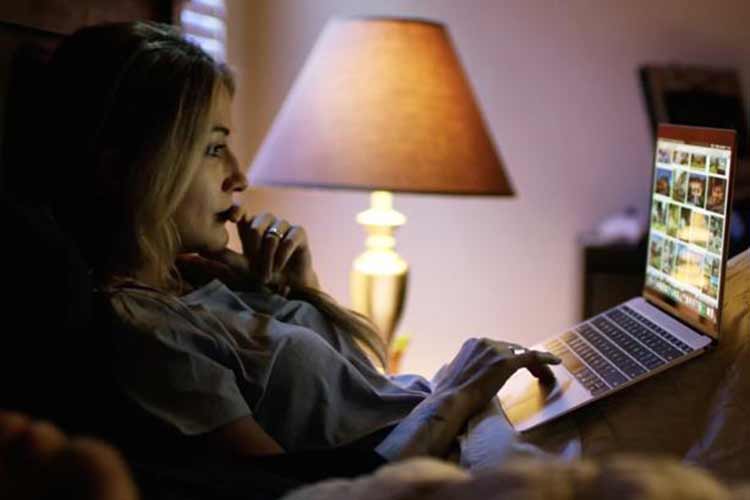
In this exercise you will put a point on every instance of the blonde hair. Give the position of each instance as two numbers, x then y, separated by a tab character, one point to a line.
130	107
362	330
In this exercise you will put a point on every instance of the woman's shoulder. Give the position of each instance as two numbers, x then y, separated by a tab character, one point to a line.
144	317
138	304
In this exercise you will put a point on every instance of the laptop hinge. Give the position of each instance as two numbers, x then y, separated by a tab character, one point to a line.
714	341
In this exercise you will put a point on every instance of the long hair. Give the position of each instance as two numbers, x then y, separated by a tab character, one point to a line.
128	110
359	326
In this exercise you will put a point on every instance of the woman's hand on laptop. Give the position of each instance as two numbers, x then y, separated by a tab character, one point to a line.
483	365
461	389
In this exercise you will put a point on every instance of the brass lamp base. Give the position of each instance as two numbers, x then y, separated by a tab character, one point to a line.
379	276
380	297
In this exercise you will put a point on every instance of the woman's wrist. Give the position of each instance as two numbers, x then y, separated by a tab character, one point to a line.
430	429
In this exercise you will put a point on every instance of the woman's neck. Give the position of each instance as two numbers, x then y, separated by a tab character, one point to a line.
148	276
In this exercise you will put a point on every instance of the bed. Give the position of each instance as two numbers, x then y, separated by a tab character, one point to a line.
696	413
682	434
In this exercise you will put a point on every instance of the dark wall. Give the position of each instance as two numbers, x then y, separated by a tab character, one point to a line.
29	31
50	359
65	16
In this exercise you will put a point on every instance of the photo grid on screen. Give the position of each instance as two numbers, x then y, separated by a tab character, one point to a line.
688	221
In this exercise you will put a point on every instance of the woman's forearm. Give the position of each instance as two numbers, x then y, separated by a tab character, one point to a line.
430	429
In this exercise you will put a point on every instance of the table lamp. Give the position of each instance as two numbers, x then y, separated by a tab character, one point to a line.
383	105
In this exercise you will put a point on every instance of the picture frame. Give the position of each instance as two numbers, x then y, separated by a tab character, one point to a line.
700	96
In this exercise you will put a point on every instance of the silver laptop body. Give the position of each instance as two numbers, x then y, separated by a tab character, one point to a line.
678	315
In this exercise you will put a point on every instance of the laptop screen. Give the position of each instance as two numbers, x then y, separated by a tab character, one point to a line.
689	224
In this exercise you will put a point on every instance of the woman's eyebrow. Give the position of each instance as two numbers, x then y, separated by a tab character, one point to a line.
219	128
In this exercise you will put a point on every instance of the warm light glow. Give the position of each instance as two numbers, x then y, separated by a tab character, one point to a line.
380	262
381	212
380	241
380	220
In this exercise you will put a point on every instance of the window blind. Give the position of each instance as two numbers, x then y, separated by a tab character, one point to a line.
204	22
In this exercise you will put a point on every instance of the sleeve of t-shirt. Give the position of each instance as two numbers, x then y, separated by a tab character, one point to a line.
171	368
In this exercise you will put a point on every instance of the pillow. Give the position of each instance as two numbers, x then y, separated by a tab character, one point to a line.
724	447
736	319
617	477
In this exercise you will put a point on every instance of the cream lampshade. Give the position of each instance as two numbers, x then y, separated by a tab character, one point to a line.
382	104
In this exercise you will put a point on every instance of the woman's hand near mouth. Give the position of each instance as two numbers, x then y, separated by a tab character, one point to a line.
274	253
277	251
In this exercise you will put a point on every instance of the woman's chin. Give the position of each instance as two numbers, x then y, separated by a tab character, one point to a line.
215	244
222	240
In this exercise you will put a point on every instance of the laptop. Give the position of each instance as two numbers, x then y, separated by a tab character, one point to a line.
678	315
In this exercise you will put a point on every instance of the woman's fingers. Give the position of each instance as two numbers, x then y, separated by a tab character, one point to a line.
536	362
287	246
543	372
274	247
261	238
547	357
270	245
251	234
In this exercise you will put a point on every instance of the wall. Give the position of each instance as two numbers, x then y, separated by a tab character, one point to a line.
558	85
65	16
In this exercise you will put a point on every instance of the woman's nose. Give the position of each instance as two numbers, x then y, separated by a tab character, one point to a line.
237	181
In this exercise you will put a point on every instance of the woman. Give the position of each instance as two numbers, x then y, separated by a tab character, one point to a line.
243	350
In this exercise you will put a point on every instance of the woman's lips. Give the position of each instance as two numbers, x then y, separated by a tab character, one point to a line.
225	215
228	214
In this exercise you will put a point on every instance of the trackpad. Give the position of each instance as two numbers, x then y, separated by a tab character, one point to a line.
528	402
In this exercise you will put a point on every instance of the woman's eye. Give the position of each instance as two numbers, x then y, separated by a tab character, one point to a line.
215	150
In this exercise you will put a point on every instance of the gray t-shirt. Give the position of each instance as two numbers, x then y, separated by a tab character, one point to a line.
212	356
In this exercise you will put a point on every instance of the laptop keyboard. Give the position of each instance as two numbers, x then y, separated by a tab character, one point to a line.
615	347
584	375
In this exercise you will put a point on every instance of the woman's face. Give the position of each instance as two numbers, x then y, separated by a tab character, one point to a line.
200	217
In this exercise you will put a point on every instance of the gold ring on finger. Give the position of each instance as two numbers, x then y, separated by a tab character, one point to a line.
274	231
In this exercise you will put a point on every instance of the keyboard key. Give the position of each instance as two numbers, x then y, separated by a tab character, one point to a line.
594	360
645	336
593	383
586	377
611	352
661	331
627	343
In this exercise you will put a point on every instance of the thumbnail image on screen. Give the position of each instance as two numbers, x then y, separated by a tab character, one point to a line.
688	223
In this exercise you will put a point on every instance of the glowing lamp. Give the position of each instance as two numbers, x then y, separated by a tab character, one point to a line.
383	105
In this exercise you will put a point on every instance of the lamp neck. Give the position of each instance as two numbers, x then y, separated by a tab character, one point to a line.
381	221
